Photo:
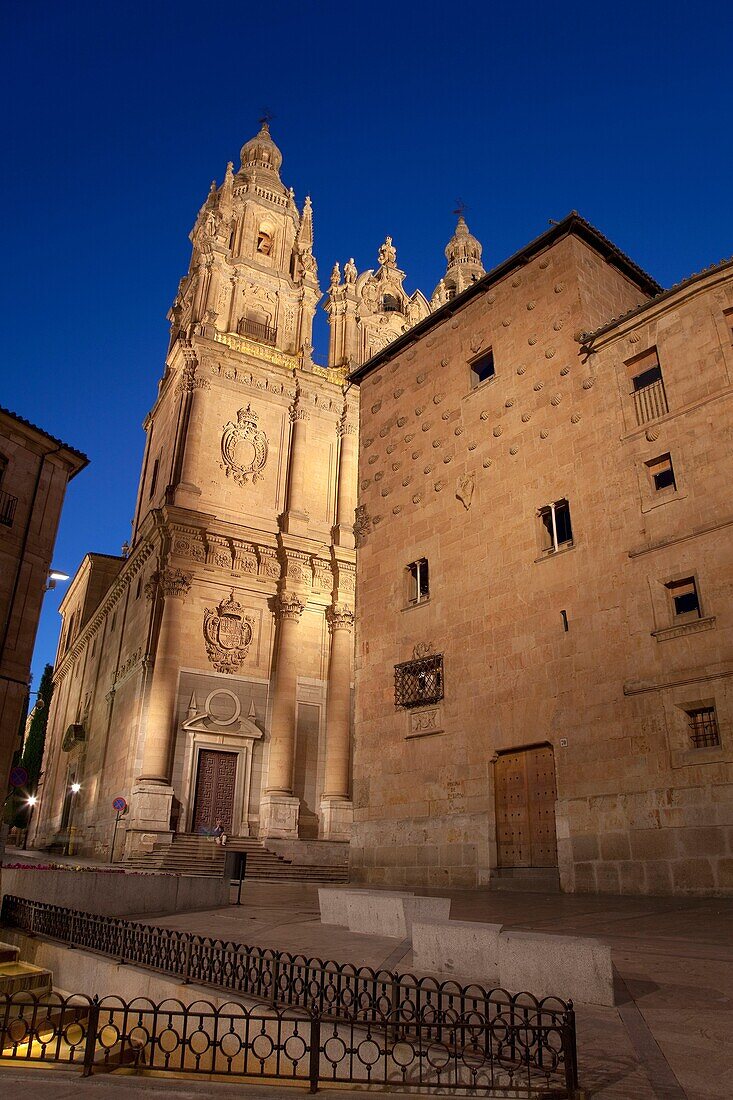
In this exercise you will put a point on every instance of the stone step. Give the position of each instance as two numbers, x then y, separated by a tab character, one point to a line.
529	880
9	953
19	977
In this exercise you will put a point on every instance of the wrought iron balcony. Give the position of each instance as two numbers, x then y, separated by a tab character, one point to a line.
7	508
257	330
420	682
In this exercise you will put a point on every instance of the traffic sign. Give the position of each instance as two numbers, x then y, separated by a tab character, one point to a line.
119	804
18	777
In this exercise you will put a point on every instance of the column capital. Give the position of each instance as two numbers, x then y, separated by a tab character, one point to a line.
345	427
289	607
339	617
298	413
168	581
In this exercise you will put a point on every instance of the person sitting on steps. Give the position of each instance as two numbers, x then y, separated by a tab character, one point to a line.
218	833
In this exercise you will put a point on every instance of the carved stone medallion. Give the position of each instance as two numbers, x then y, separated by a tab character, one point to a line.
244	448
228	634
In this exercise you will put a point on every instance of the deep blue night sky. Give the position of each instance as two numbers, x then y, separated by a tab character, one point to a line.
117	116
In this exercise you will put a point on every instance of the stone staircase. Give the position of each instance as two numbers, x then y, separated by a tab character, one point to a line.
190	854
16	976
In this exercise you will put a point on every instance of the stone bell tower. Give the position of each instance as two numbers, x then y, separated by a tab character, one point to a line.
222	688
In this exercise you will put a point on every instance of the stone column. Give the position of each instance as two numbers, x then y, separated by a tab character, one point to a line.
152	793
343	532
336	807
295	520
279	807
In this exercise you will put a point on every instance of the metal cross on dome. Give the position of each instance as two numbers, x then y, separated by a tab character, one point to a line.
460	208
266	117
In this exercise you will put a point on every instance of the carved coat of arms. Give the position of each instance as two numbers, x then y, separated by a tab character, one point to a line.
244	448
228	634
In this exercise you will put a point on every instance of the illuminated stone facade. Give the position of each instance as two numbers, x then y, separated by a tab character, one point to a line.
207	673
544	640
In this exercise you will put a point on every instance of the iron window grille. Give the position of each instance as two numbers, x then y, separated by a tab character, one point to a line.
419	683
703	724
650	397
8	505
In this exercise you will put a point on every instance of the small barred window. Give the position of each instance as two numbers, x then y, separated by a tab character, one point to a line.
418	683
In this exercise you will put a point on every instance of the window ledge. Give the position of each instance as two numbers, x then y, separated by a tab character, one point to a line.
479	386
684	628
417	603
548	555
692	758
663	496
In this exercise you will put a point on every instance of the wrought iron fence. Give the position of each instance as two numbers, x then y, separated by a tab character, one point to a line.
430	1032
650	401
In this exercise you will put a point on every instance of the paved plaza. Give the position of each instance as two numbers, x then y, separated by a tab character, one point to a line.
670	1035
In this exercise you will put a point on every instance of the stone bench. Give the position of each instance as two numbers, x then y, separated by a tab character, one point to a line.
467	950
570	967
334	904
379	912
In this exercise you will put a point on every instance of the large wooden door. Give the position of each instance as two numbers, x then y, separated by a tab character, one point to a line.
215	786
525	808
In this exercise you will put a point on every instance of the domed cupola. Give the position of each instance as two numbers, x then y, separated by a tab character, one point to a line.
463	253
463	247
261	152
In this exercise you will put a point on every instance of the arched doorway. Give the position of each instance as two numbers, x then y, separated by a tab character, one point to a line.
525	808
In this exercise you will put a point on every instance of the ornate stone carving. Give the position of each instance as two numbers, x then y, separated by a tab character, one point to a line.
269	564
464	489
362	524
169	582
339	617
244	448
188	382
228	634
422	649
289	606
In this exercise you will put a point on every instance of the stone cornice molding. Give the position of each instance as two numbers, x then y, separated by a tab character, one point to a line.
122	581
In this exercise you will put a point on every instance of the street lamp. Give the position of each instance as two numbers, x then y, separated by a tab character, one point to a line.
75	788
53	576
31	801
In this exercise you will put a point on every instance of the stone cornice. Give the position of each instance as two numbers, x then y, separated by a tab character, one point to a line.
122	581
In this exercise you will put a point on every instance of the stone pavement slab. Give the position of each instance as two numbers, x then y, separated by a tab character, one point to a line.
674	957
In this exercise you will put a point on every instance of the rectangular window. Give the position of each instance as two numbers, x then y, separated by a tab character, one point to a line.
154	478
419	683
647	387
685	600
418	581
482	368
703	726
661	472
557	531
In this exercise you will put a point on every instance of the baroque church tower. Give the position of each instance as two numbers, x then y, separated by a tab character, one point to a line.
213	679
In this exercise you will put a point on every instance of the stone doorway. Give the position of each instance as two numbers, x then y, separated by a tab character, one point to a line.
216	779
525	808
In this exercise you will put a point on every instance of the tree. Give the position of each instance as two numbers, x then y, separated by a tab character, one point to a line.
32	755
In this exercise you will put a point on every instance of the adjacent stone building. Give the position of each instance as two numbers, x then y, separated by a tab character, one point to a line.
35	469
206	674
544	641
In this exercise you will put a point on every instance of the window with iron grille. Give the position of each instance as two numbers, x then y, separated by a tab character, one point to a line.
418	683
703	726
